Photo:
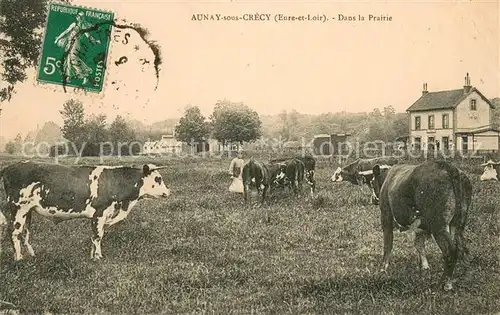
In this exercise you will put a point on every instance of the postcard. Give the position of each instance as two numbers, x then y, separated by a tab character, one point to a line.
249	157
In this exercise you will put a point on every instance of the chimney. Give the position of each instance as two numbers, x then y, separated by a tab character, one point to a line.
424	89
467	86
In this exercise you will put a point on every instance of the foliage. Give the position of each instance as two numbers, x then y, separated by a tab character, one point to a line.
496	111
21	32
192	126
73	115
202	250
235	122
10	147
92	135
96	134
383	125
48	135
289	125
122	135
20	39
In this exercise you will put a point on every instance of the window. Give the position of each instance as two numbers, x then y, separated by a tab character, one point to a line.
417	143
417	123
465	143
446	121
445	143
431	143
431	122
473	104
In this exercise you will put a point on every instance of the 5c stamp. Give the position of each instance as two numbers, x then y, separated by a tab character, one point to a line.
75	47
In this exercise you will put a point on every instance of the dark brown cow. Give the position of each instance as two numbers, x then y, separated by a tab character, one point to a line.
262	176
432	198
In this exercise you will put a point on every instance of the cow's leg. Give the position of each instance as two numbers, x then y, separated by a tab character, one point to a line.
27	233
246	188
125	209
388	229
264	191
447	245
19	214
296	185
388	240
420	238
97	235
119	217
301	186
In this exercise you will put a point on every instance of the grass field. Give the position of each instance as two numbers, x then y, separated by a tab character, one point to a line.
201	251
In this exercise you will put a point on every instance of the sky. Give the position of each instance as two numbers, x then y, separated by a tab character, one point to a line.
312	67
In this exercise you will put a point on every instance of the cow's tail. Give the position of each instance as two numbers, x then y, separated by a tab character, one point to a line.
462	189
3	219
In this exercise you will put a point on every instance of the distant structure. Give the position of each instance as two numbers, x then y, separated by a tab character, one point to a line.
458	119
167	144
325	144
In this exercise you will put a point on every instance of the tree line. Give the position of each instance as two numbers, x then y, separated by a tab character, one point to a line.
229	123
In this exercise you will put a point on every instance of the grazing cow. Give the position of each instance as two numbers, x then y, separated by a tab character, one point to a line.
294	174
103	194
262	176
359	172
432	198
309	167
491	170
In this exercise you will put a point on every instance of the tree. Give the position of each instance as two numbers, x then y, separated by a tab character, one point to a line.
121	134
96	129
10	147
96	135
17	144
120	130
235	122
49	134
74	122
21	22
192	126
400	125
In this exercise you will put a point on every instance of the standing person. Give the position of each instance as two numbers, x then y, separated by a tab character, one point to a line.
236	171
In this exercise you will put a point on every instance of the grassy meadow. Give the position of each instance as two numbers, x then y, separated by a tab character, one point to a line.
201	251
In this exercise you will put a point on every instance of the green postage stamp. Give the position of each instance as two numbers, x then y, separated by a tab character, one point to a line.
75	47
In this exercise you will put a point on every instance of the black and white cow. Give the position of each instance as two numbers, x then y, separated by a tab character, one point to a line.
308	165
294	170
433	198
360	172
103	194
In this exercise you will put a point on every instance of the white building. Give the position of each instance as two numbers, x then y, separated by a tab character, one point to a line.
167	144
458	119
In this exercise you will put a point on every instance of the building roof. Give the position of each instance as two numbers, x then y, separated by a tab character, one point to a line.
443	100
478	130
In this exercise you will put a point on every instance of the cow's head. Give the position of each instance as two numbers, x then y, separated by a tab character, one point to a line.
490	171
309	175
153	184
337	175
348	175
278	175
